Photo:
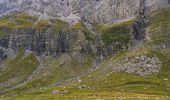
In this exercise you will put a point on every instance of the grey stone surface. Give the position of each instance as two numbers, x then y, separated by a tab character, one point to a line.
141	65
88	10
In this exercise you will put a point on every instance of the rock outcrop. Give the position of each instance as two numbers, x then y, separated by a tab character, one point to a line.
105	11
54	37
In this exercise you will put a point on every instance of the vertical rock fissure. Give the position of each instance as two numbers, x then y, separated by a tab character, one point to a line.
140	25
61	46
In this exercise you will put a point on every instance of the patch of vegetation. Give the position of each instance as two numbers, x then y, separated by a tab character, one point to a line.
42	24
99	27
112	81
84	95
60	26
117	33
6	22
19	68
80	26
160	26
2	34
56	70
17	20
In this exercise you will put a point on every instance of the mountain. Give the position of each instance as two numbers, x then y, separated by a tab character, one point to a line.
84	49
106	11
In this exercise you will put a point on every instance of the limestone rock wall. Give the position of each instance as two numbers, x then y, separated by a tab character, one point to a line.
87	10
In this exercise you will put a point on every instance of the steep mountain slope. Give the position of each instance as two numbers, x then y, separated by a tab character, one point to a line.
85	56
106	82
91	11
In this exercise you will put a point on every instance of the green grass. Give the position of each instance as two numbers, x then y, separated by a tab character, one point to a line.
112	81
42	24
6	22
89	96
80	26
17	20
99	27
23	20
119	32
58	70
60	26
19	68
160	26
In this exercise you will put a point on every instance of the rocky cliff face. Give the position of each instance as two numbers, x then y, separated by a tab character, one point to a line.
106	11
46	40
54	37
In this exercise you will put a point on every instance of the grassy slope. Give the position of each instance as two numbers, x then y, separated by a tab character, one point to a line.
18	68
148	84
160	26
58	69
105	84
105	80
